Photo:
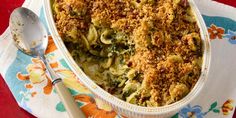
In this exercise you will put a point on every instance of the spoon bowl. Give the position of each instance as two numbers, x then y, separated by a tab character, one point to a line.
29	34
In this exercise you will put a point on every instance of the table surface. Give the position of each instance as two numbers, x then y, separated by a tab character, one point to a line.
8	106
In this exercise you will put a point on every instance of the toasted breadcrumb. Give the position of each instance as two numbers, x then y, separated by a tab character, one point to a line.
168	47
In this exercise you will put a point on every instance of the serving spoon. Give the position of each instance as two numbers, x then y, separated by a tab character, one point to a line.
30	36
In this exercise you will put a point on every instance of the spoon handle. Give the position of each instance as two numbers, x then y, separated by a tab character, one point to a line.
67	99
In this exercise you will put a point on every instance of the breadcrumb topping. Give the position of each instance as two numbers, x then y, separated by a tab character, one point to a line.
168	46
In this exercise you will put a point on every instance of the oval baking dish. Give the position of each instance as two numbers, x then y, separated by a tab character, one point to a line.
122	107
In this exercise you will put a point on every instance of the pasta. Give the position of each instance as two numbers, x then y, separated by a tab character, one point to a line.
145	52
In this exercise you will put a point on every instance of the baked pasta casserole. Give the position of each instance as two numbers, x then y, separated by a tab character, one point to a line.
145	52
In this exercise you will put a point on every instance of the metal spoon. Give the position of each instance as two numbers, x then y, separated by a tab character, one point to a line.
30	36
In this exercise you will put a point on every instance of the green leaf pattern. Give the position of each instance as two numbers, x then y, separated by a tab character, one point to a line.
216	110
213	105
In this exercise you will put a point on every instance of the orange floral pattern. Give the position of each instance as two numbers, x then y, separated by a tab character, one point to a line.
227	107
36	75
91	109
215	32
51	46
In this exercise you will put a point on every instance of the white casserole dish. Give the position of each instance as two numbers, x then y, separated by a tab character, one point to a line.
121	106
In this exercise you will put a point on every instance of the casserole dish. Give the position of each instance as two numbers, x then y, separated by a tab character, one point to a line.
122	107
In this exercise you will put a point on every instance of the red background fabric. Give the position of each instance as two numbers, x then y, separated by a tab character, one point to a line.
8	106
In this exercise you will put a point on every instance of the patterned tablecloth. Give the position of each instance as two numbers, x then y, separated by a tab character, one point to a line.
33	90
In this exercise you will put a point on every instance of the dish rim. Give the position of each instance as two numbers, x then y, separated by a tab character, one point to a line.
98	91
